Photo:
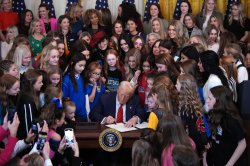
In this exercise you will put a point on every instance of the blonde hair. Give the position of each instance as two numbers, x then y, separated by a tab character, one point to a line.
189	102
72	10
14	29
234	50
227	62
180	38
166	92
241	14
162	33
132	53
204	10
19	53
45	56
33	25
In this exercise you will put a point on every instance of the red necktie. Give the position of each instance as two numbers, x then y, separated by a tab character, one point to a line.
119	118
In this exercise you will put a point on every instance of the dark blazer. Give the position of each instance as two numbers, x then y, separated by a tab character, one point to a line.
200	19
107	107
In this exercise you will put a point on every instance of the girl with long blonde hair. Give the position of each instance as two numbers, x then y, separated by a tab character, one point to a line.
190	110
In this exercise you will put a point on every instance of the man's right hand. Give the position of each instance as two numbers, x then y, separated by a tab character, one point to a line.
110	120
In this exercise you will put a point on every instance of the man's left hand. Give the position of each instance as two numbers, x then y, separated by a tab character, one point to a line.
132	122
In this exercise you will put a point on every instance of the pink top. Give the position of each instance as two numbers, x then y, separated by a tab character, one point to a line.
49	135
5	155
53	25
166	156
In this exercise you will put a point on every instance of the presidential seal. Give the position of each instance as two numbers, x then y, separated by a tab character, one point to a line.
110	140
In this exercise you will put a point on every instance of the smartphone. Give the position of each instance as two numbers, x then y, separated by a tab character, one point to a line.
34	126
41	141
11	113
69	136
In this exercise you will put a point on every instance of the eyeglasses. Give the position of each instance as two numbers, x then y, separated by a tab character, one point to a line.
96	74
139	44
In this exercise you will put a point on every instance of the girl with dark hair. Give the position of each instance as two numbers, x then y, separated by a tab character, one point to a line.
9	88
48	23
145	150
156	48
73	85
107	21
247	62
124	46
82	47
173	133
170	47
117	32
147	67
28	105
127	11
226	38
228	138
65	34
25	20
185	8
54	116
8	67
93	21
100	48
165	63
154	11
133	29
209	63
189	52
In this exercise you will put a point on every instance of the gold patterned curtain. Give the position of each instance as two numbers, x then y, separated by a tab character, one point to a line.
168	7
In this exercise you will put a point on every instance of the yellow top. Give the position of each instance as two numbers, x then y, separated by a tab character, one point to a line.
152	121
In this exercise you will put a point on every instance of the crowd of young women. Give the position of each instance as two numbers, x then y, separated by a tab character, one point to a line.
185	72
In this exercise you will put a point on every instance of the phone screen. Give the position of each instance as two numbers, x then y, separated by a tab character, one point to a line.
34	128
11	113
69	136
41	141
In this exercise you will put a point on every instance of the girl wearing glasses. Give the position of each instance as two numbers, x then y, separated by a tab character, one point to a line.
94	86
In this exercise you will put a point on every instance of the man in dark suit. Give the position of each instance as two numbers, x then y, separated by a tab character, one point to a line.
107	111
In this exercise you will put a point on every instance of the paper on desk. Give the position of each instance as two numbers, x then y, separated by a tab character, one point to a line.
142	125
121	127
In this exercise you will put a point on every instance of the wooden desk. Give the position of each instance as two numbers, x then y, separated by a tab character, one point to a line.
89	139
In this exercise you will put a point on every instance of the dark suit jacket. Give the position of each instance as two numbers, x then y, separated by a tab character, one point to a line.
107	107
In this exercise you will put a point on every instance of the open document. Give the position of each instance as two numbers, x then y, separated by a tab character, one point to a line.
121	127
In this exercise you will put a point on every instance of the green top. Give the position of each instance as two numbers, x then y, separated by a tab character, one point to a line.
36	45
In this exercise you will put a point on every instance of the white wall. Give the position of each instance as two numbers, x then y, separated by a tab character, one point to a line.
60	6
